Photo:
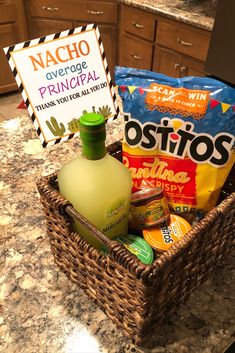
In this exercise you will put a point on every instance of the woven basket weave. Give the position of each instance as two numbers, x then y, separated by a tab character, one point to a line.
136	297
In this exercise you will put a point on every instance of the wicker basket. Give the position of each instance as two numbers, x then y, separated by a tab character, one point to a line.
136	297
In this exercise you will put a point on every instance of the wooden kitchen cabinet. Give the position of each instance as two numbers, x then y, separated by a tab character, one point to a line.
152	42
136	38
181	50
12	31
51	16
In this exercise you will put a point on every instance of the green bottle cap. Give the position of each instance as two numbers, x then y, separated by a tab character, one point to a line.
93	134
137	246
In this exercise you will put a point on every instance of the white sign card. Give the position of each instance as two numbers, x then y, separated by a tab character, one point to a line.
60	76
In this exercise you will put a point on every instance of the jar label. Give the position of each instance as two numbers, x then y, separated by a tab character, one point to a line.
151	213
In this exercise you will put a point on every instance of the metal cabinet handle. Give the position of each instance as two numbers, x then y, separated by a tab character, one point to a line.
183	68
136	57
91	12
177	66
185	44
48	8
137	25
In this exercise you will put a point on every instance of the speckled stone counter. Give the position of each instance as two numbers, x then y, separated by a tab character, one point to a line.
41	311
199	13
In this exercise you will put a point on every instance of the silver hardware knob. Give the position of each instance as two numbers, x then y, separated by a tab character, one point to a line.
136	57
91	12
48	8
137	25
185	44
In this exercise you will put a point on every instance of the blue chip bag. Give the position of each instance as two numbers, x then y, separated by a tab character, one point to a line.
179	135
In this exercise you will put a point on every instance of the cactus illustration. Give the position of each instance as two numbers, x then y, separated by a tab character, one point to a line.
105	111
93	110
56	129
73	125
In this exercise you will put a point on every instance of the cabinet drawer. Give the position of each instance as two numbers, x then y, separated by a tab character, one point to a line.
138	22
135	53
183	39
89	11
7	13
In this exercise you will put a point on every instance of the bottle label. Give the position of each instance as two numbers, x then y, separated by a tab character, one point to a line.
116	216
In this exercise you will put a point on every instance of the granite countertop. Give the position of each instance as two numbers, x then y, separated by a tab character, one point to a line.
41	310
199	13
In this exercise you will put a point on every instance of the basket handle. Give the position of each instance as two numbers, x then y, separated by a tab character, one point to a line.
96	232
117	250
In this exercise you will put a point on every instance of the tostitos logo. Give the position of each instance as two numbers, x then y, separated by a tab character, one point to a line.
180	142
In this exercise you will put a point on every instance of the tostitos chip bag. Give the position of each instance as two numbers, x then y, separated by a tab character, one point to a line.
179	135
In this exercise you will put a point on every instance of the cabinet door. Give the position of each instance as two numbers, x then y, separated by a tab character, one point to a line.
12	31
192	67
135	53
39	27
109	38
8	36
108	35
167	62
7	11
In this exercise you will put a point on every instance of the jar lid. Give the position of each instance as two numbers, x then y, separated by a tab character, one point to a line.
137	246
162	238
146	195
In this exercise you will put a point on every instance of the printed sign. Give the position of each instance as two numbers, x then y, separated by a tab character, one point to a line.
60	76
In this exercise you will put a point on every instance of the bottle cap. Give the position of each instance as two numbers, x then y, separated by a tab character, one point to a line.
137	246
92	119
93	134
162	238
92	127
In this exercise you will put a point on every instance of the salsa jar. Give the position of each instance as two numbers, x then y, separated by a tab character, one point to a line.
149	207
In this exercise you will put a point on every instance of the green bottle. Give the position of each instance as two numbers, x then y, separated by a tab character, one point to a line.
97	185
